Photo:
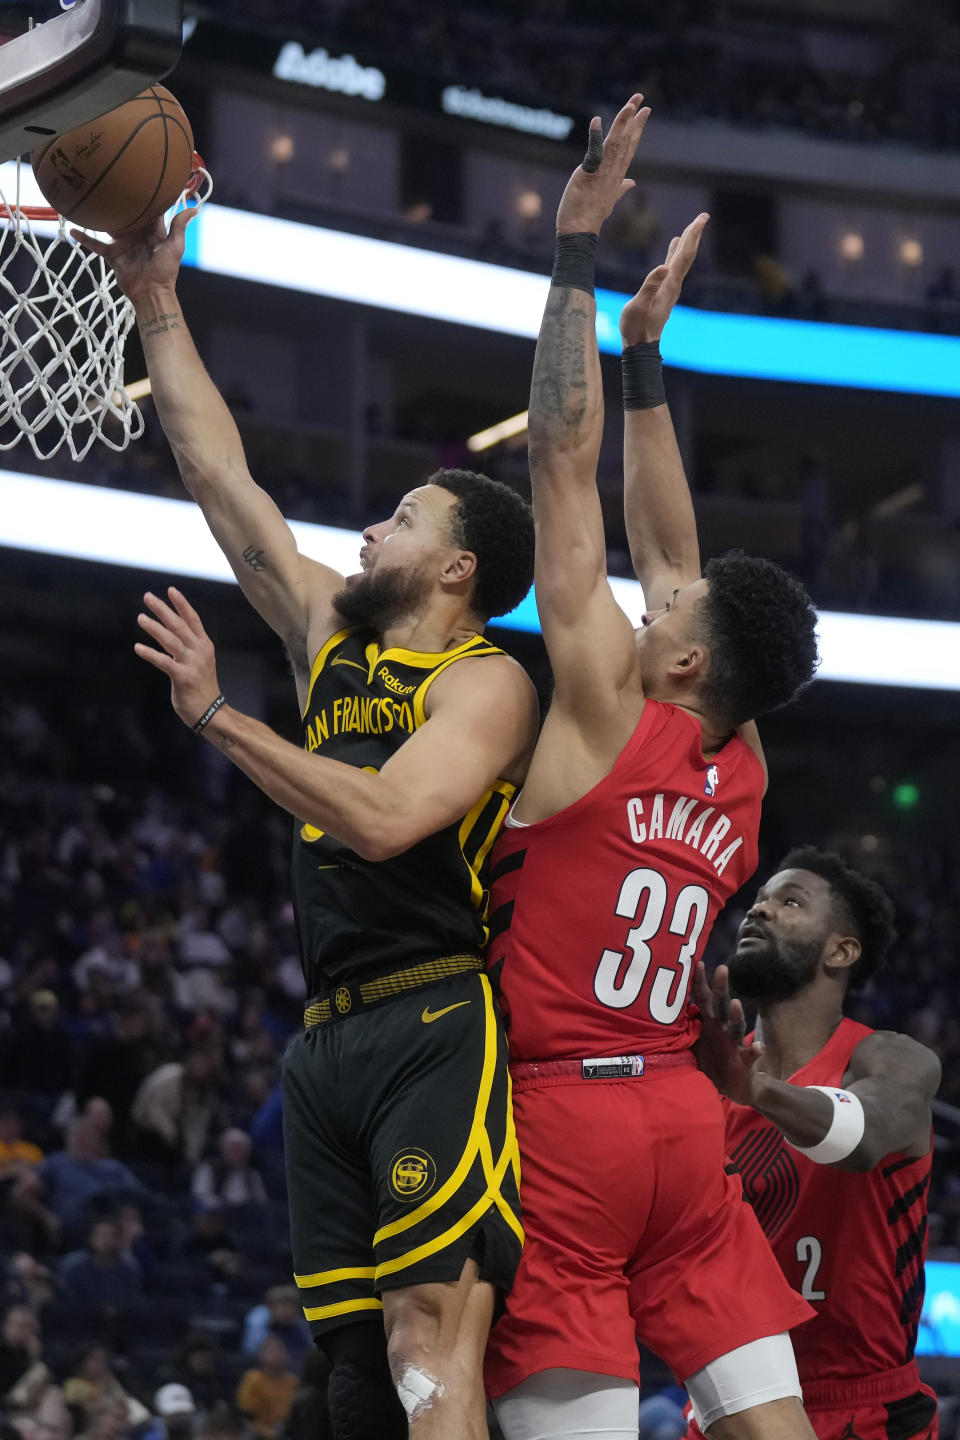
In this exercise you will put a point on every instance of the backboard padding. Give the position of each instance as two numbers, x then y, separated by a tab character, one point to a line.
81	63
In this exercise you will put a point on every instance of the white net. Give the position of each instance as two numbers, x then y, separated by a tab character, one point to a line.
63	324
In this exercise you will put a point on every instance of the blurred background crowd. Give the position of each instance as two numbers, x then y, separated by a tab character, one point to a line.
148	982
149	977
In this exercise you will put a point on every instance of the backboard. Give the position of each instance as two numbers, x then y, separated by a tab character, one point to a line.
64	63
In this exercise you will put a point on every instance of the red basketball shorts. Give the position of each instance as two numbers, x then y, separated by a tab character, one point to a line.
634	1229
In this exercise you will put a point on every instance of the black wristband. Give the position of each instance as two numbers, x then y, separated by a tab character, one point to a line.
575	260
209	713
642	372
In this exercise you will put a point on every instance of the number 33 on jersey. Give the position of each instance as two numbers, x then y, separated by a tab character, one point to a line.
620	891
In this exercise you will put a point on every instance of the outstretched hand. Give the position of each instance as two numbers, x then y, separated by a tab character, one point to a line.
144	259
720	1050
595	186
187	656
644	317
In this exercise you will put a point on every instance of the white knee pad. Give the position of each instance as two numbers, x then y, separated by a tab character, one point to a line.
754	1374
569	1405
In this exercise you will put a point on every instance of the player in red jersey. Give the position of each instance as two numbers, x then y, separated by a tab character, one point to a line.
638	819
847	1215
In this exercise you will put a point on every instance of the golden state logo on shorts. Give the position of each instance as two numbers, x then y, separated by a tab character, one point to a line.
342	1000
413	1174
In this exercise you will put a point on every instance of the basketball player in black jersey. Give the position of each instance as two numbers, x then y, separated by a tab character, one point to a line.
402	1160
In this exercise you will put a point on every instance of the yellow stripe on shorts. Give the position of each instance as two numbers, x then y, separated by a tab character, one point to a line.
452	1185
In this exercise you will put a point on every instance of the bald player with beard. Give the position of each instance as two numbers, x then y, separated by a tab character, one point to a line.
829	1125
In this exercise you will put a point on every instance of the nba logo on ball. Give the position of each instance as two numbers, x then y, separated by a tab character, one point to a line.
712	781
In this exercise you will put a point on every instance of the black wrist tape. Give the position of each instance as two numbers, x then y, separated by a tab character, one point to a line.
642	371
574	261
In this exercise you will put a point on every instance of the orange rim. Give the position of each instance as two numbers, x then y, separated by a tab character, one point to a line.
196	175
46	212
30	212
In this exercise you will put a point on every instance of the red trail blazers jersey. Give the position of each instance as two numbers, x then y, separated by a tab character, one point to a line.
854	1245
599	913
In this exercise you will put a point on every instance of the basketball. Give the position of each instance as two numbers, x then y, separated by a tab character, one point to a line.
122	169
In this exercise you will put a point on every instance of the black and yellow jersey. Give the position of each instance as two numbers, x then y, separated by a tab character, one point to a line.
360	917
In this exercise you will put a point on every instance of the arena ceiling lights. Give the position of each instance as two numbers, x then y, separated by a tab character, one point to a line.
170	538
403	278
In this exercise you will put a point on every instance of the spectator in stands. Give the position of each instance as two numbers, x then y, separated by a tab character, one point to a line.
37	1058
93	1386
176	1414
59	1192
230	1178
106	958
210	1238
101	1277
176	1105
266	1393
133	1239
252	1042
27	1282
21	1357
115	1065
309	1417
51	1415
196	1364
266	1131
201	981
99	1114
223	1422
110	1420
15	1152
280	1314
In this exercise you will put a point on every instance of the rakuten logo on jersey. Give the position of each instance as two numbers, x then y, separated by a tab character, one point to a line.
687	824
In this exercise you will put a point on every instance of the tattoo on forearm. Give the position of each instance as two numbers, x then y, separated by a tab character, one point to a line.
226	742
558	390
159	325
255	558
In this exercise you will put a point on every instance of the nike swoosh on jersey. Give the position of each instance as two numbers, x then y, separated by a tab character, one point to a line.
430	1015
342	660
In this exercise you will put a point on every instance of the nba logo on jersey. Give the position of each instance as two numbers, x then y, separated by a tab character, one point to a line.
712	781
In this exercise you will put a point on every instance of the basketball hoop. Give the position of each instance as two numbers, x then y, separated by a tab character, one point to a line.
63	325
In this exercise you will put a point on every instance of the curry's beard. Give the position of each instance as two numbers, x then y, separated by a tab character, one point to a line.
380	597
774	969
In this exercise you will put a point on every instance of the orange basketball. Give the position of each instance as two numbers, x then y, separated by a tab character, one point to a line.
122	169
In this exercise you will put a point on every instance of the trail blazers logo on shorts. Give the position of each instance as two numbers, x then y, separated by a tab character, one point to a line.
413	1174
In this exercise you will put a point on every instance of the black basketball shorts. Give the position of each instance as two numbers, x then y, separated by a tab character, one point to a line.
401	1155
